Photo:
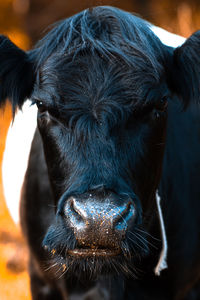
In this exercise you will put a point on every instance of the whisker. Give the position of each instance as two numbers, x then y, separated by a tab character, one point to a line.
52	205
65	271
145	240
135	243
147	233
139	237
51	267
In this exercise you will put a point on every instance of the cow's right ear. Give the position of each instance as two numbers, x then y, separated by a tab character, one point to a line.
184	70
16	74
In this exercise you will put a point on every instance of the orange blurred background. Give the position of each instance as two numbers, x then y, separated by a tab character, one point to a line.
24	21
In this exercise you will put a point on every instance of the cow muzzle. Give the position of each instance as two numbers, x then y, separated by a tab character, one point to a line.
99	223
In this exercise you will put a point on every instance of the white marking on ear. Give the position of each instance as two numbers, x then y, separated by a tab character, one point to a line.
162	262
168	38
16	155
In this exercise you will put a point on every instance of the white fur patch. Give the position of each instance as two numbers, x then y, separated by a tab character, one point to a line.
162	262
168	38
16	154
20	135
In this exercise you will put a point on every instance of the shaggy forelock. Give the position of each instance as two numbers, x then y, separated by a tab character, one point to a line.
100	62
110	32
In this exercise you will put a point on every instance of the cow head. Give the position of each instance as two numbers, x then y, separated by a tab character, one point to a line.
102	82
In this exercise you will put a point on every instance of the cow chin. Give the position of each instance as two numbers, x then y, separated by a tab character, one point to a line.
94	264
63	258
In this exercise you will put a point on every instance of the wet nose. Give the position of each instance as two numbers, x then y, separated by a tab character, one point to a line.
99	222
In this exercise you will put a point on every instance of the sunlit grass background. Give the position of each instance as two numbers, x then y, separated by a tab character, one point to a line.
24	21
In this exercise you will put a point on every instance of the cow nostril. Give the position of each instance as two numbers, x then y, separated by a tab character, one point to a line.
124	217
75	216
75	210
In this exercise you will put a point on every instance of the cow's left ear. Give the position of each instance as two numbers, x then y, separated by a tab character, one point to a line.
184	73
16	74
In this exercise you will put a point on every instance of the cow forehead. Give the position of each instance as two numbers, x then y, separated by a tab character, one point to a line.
20	136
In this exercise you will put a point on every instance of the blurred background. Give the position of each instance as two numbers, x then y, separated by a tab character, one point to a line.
24	21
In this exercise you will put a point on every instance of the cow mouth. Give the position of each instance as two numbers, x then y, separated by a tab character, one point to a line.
81	252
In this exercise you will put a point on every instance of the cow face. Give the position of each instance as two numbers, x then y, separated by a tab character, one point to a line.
103	145
102	84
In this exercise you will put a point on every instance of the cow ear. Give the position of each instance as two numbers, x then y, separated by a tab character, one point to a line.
184	75
16	74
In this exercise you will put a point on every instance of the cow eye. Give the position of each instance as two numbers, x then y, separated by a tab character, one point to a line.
159	108
41	106
161	105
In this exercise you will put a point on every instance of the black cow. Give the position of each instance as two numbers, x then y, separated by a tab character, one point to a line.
118	118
